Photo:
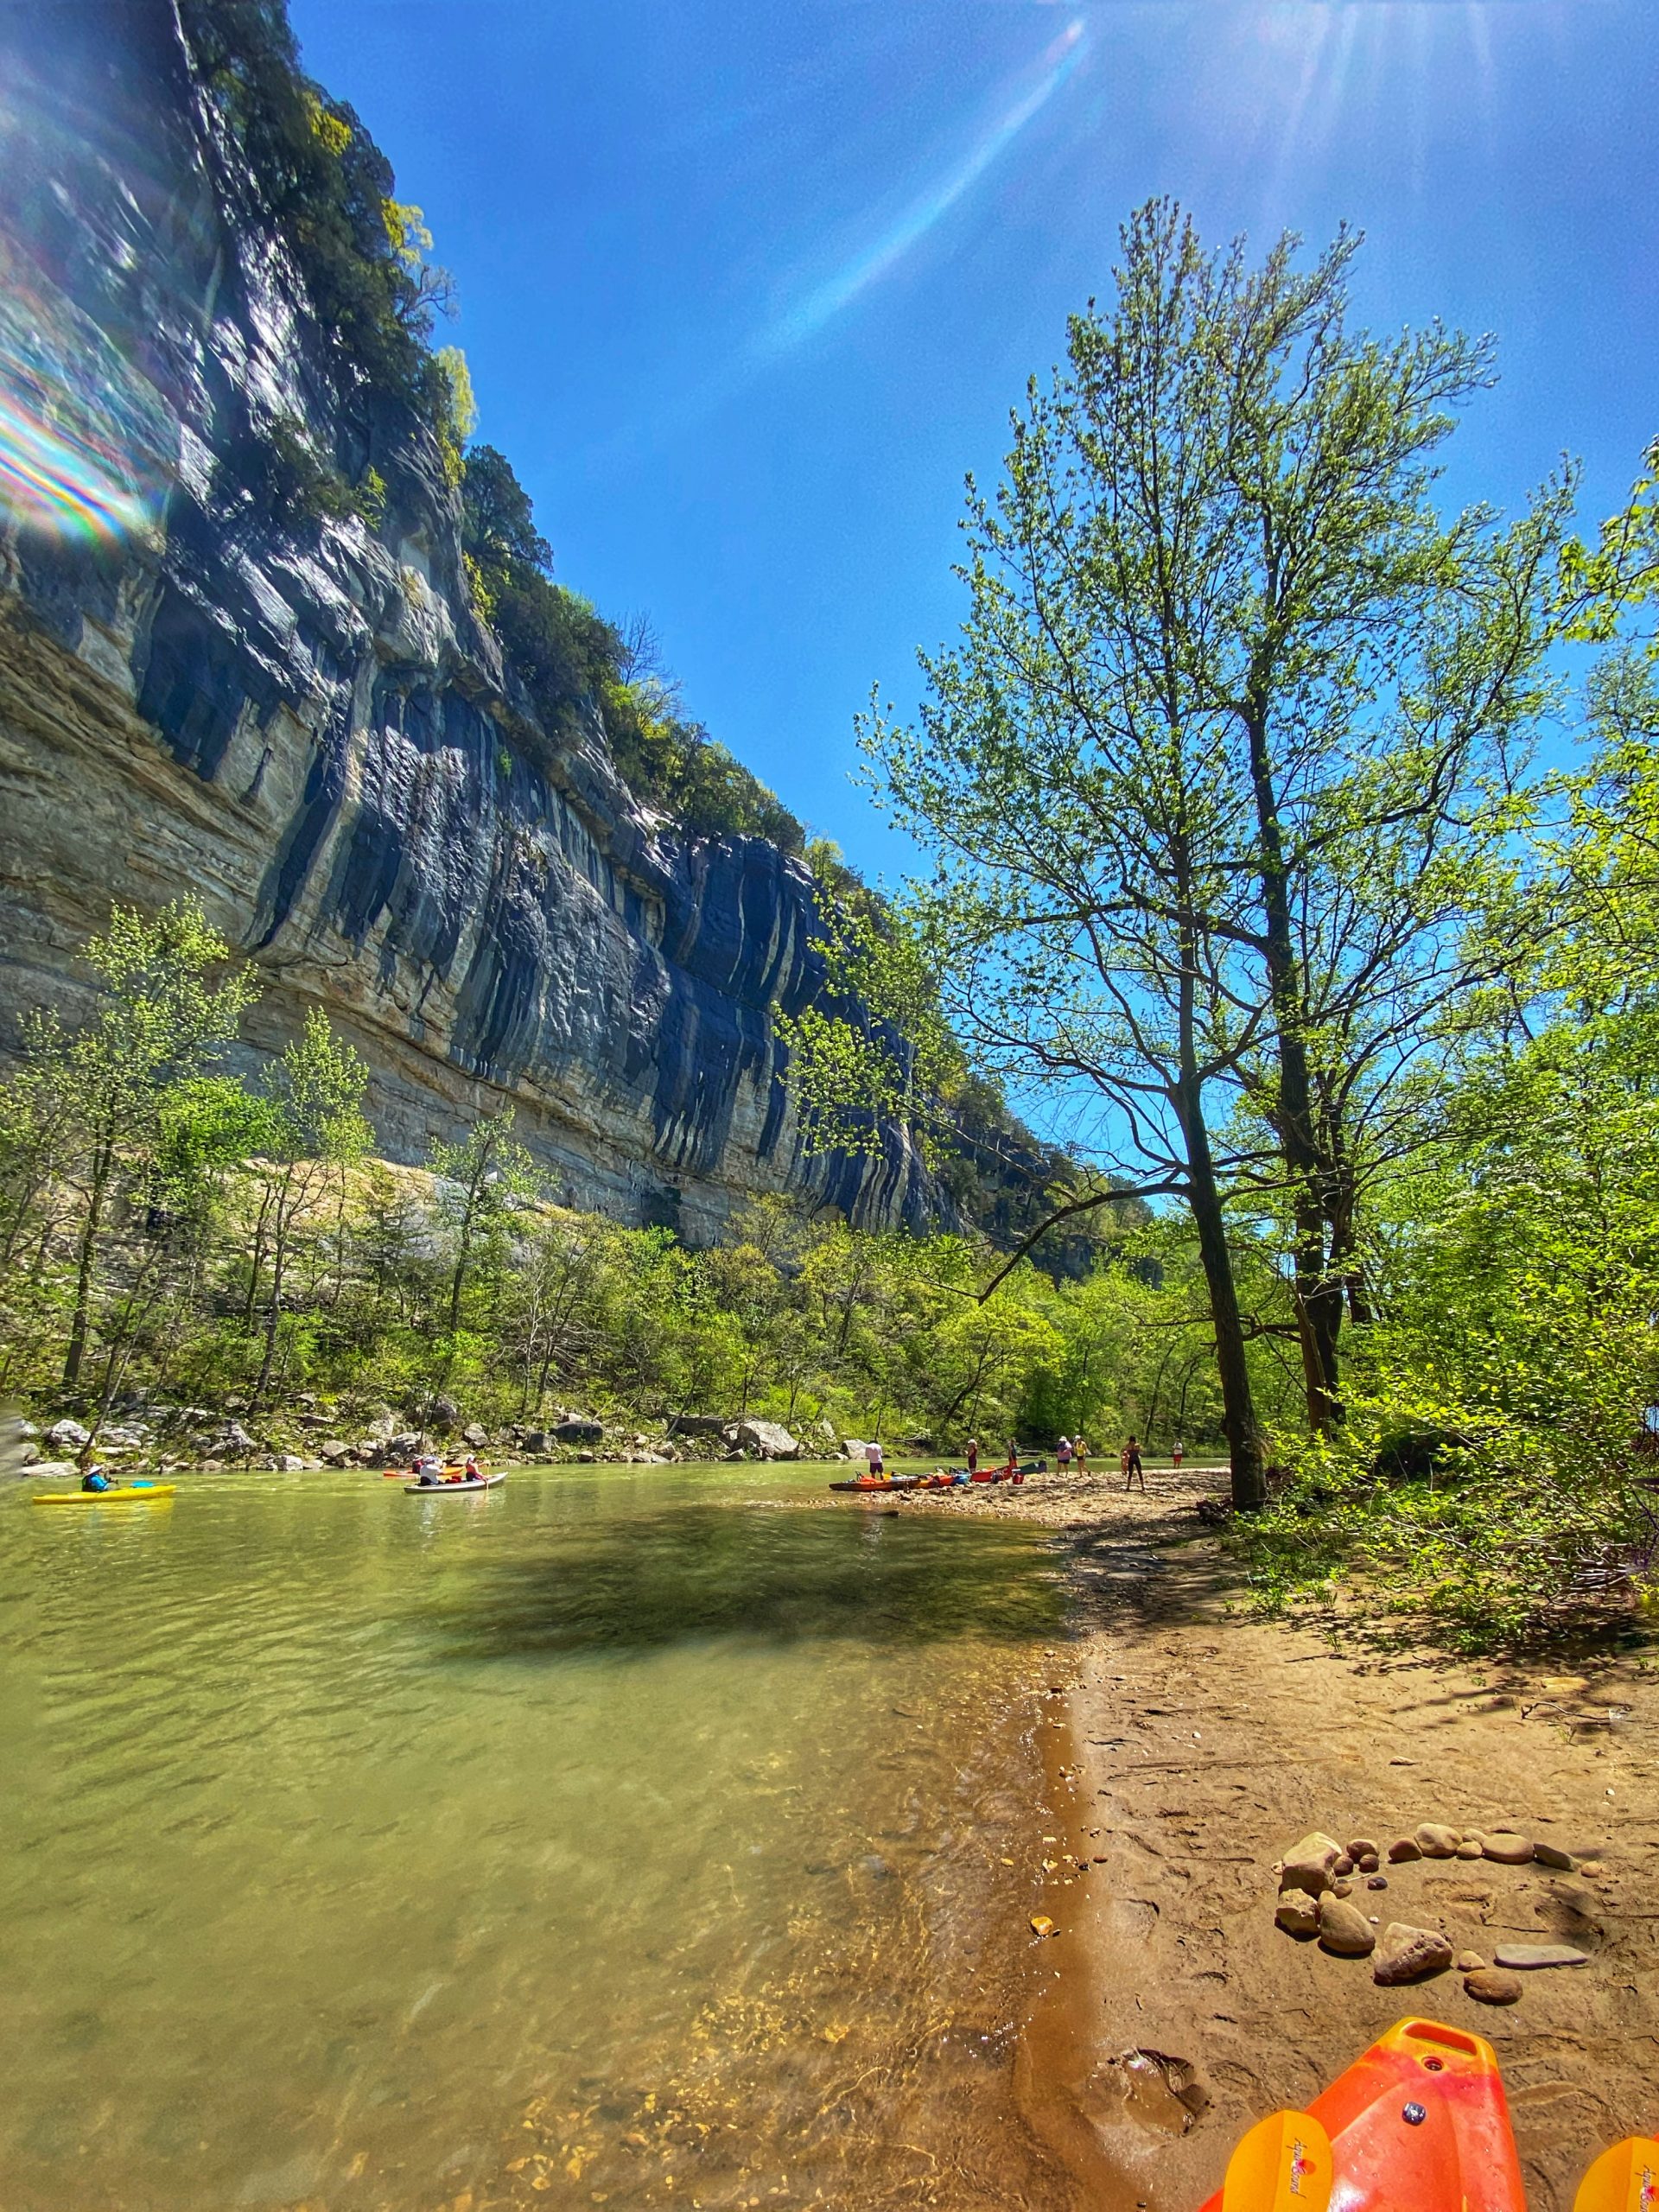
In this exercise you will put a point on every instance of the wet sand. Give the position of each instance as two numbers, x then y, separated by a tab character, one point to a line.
1189	1745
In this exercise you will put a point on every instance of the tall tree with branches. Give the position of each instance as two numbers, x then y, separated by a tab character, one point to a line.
1232	707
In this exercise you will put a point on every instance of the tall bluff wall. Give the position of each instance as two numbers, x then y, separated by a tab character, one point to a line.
203	688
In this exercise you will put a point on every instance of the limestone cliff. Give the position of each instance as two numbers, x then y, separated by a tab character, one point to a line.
209	682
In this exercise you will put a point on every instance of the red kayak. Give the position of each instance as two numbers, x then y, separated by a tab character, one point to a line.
1419	2124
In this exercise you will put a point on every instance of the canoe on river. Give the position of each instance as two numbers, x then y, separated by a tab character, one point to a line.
451	1490
401	1474
880	1482
137	1495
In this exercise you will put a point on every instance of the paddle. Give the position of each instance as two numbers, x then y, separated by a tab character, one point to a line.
1284	2165
1623	2179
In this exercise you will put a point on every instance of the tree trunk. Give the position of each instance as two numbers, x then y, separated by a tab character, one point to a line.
1232	1369
80	1321
278	1270
1318	1297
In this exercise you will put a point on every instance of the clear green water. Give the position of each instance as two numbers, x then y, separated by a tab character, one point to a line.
626	1838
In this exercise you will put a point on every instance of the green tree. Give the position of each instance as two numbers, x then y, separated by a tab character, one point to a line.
163	1021
1220	648
482	1182
312	1129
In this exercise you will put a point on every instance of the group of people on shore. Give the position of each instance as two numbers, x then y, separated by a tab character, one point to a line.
1072	1453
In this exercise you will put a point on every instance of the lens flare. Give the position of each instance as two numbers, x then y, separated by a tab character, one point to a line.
839	291
86	445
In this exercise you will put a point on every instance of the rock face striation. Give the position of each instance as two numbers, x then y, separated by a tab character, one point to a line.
297	715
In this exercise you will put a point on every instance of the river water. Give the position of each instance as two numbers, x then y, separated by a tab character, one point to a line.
625	1837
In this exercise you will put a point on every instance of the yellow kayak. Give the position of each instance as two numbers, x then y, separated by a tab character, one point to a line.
130	1496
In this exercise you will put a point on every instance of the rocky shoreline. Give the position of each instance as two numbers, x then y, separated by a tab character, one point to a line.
1198	1757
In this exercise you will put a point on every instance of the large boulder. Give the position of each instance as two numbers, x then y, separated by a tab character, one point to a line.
399	1451
697	1425
579	1432
769	1438
231	1442
67	1435
444	1416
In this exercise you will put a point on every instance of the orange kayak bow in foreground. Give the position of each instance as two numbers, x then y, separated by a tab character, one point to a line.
1419	2124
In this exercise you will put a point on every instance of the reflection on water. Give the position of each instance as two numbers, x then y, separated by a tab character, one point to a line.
622	1839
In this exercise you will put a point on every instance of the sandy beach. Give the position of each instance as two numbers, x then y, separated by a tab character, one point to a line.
1189	1745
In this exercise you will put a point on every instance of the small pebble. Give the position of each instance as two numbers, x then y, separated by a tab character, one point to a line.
1403	1849
1377	1882
1363	1847
1342	1888
1469	1849
1491	1986
1508	1850
1343	1866
1470	1963
1368	1862
1434	1841
1551	1855
1041	1924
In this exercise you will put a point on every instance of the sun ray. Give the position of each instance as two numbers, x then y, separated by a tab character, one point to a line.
883	254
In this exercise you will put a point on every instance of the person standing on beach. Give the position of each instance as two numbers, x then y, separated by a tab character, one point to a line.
873	1459
1175	1453
1063	1455
973	1455
1133	1469
1080	1453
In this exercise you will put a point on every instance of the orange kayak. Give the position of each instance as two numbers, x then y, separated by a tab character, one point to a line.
1419	2124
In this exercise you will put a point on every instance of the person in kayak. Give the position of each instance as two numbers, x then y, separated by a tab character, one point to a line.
470	1472
1133	1470
96	1479
428	1474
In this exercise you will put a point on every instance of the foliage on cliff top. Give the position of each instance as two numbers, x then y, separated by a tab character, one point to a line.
330	193
568	656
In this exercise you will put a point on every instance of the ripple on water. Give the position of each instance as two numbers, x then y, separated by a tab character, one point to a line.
562	1844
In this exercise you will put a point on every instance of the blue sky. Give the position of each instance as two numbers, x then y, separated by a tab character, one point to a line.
746	288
